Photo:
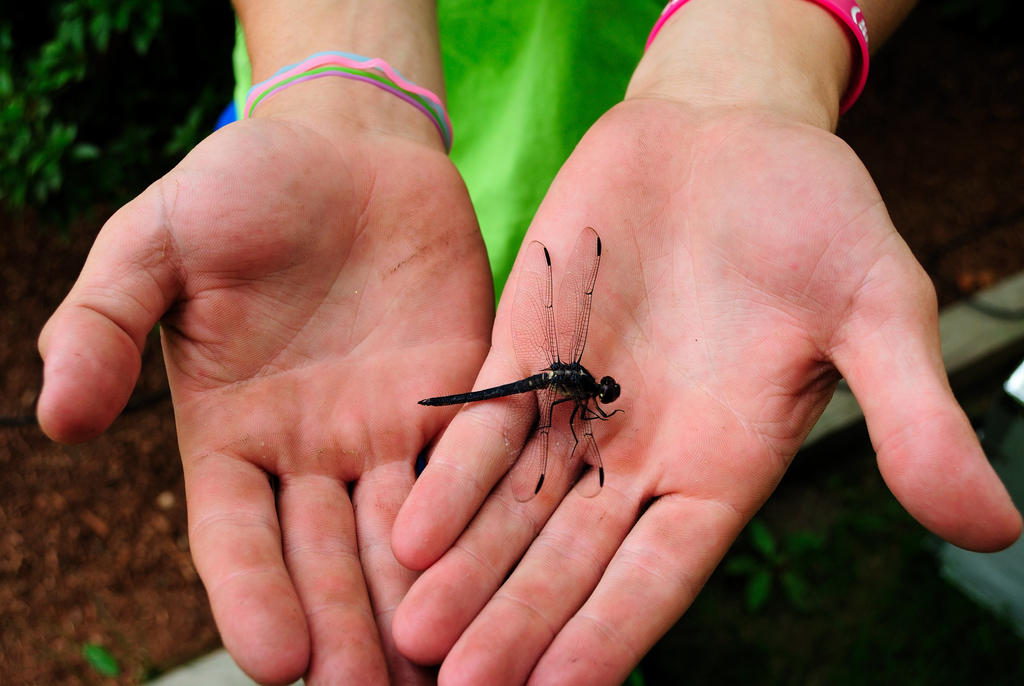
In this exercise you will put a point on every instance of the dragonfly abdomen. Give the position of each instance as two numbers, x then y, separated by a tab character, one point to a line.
530	383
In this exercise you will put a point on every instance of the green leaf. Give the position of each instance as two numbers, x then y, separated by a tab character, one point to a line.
147	26
636	678
795	589
758	589
122	17
62	135
742	565
100	29
85	151
186	134
100	660
762	539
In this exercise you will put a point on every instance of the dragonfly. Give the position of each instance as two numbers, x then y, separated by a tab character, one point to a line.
553	352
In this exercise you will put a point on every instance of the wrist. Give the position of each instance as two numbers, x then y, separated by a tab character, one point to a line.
789	57
342	108
403	33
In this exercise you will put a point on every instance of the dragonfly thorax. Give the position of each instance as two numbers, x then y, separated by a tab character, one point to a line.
574	381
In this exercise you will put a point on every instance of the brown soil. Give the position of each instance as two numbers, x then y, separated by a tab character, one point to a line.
93	545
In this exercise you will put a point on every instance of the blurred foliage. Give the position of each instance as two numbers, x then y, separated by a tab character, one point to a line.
873	607
772	562
100	97
101	660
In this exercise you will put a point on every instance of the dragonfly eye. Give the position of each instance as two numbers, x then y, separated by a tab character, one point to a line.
609	390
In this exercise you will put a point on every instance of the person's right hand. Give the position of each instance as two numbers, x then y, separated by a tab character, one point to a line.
311	275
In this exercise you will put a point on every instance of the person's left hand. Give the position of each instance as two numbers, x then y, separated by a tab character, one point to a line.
748	261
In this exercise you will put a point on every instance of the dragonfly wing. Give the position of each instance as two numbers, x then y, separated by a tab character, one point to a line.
533	316
527	431
575	295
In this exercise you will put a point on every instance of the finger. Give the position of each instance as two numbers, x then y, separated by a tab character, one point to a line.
466	463
552	581
927	451
236	545
653	577
472	454
92	345
446	598
318	527
377	497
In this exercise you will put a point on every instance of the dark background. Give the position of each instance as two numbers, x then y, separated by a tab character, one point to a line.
95	572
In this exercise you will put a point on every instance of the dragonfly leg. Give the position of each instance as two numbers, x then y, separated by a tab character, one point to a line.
575	438
598	413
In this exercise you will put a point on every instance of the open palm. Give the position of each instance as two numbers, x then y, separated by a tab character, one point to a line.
303	280
748	262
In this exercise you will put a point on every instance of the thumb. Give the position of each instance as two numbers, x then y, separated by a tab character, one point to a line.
927	451
92	345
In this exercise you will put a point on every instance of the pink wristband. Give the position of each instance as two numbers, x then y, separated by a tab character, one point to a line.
846	12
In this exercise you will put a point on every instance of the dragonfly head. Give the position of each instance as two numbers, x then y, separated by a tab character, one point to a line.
609	390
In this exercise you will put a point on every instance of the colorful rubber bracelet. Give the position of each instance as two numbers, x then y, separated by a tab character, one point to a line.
847	12
370	70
